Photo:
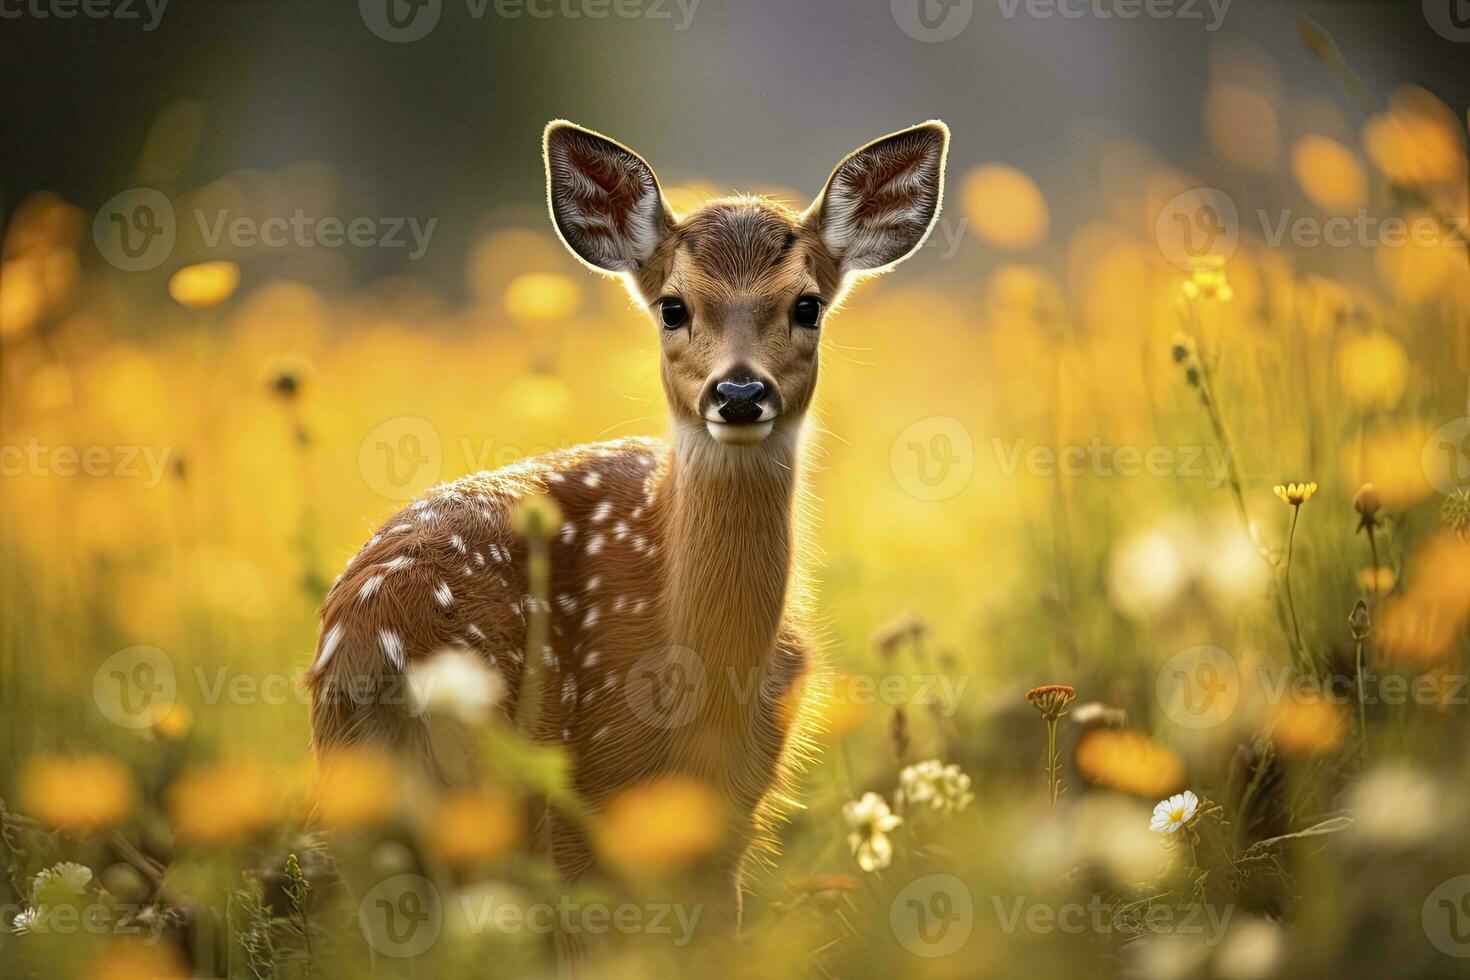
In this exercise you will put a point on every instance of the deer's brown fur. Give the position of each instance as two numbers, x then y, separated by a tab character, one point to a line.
682	554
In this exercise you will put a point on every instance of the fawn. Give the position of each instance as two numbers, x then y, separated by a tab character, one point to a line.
674	646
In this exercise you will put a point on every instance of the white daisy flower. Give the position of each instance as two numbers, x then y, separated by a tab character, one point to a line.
61	880
26	921
868	822
456	682
935	786
1173	813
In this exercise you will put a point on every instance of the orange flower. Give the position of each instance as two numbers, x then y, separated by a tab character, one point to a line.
1129	761
662	825
223	802
467	828
79	793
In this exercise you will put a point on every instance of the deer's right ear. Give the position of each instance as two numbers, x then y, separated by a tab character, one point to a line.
605	200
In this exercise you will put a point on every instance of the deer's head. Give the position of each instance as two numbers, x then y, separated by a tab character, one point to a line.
739	288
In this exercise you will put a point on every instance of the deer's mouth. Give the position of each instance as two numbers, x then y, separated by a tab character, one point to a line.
739	433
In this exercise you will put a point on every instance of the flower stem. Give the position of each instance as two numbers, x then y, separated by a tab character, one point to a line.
1300	651
1362	701
1053	777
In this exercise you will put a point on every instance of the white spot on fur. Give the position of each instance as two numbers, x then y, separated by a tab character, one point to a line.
329	647
458	543
568	532
602	512
368	588
594	544
400	528
590	620
443	595
393	564
392	645
593	479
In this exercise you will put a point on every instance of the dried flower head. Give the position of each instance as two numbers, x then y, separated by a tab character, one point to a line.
1359	621
1454	513
1051	699
287	377
1295	494
1367	503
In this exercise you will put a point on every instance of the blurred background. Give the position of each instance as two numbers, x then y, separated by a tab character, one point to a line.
270	270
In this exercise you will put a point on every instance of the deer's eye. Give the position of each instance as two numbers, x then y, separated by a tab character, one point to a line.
672	312
808	311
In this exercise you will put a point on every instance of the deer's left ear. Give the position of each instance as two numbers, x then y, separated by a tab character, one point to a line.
882	199
605	200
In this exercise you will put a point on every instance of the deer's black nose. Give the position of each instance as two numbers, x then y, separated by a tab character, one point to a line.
742	400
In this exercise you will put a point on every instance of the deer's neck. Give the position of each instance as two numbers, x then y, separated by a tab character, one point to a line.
726	515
